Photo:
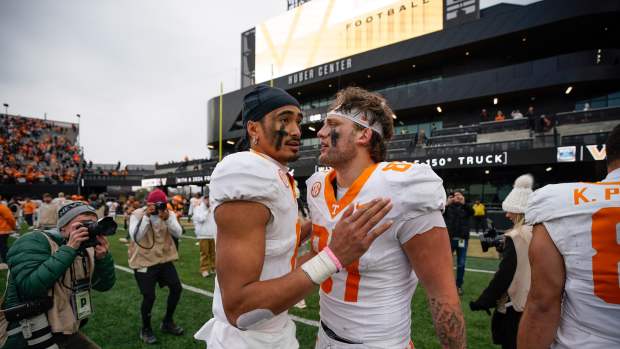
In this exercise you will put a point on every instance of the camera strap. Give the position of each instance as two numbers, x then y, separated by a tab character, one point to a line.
152	231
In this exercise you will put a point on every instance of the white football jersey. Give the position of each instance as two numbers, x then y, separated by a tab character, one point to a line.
583	220
251	176
370	301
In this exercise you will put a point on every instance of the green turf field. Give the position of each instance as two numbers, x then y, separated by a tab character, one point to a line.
116	321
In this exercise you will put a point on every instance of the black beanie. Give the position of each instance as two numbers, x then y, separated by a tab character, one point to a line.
264	99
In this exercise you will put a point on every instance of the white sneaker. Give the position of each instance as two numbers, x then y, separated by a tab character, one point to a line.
204	274
4	266
301	304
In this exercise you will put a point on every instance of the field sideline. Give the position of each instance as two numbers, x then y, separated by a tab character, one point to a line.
116	321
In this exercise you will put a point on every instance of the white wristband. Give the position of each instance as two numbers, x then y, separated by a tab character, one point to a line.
319	267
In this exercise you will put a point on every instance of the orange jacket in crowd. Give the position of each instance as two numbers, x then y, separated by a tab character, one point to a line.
30	207
7	221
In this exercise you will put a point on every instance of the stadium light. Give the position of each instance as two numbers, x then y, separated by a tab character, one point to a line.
369	76
568	89
413	66
495	101
467	53
311	128
231	142
6	109
487	171
330	85
548	169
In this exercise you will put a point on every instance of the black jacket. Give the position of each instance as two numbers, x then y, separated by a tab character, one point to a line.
457	220
504	327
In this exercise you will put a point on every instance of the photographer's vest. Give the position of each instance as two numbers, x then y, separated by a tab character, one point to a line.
520	285
48	215
61	316
156	246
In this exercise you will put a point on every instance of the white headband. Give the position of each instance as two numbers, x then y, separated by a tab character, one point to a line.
358	117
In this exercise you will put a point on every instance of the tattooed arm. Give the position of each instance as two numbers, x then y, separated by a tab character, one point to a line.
430	257
449	322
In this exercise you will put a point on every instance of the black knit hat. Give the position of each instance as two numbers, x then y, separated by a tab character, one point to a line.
264	99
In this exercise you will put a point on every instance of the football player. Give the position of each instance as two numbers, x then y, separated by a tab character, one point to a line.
368	303
574	300
258	232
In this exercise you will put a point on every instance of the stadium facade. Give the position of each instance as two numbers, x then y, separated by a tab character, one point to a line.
561	57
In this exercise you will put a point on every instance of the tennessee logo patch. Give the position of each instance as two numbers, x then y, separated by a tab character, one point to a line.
316	189
284	178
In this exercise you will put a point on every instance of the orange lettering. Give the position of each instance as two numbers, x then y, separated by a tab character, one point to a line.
352	283
321	233
578	195
611	191
605	261
397	166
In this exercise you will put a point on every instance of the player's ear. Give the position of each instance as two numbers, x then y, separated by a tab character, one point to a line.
364	137
253	129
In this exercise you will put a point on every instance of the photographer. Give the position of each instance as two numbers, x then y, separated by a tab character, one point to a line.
507	291
151	253
457	215
53	265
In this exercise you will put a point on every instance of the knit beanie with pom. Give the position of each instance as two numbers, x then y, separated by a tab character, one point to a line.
516	201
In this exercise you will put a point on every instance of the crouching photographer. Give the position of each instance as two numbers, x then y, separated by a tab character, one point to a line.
507	291
51	275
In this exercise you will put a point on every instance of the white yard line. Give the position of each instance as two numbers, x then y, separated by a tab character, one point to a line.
210	295
295	318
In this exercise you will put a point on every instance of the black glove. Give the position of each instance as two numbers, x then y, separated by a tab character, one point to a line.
476	306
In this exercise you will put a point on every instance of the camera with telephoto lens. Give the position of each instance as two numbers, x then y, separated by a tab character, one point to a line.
33	322
492	239
106	226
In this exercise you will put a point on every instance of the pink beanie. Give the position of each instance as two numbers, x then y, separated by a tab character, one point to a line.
156	195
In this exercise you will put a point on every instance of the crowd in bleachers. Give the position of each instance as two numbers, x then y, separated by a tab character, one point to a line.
37	151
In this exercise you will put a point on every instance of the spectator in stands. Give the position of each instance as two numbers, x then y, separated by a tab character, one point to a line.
507	292
516	114
8	225
457	214
480	217
204	227
28	209
421	137
47	214
531	117
484	116
36	151
547	123
586	106
499	116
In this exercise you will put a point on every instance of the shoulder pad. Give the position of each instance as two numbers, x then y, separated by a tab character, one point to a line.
414	188
244	176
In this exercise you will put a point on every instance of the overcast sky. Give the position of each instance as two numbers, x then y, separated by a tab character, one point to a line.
139	72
